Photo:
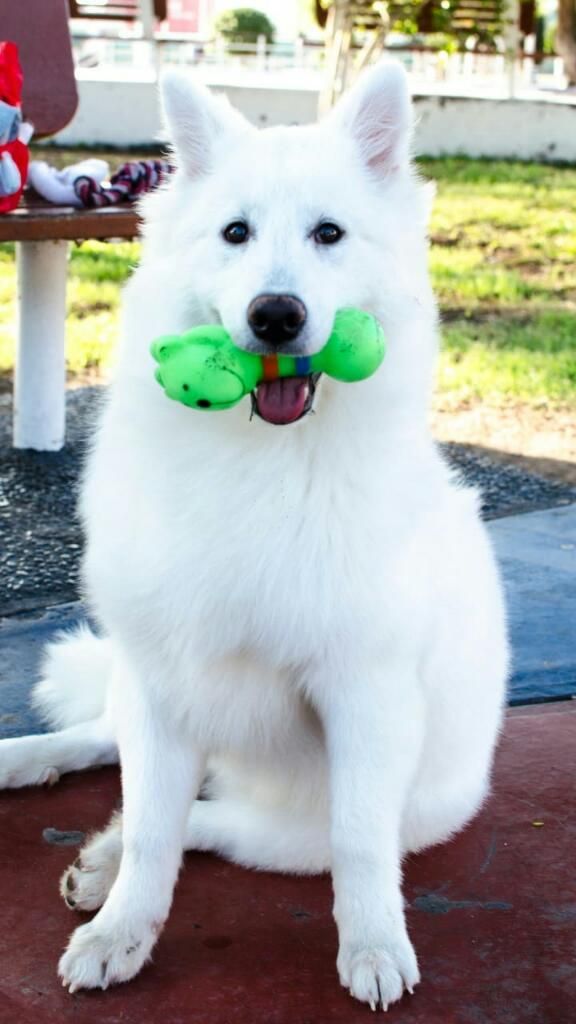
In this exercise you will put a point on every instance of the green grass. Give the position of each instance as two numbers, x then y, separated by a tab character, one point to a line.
510	360
97	269
503	262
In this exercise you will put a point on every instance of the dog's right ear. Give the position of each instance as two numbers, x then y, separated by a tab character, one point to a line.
195	119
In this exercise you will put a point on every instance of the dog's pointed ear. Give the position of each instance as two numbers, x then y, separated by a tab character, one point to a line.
377	112
195	120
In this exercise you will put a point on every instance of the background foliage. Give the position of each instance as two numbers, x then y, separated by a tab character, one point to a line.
244	25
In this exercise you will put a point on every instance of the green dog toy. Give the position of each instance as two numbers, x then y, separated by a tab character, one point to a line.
205	370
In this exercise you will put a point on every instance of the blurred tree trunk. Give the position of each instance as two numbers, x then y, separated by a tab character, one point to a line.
566	37
321	12
344	60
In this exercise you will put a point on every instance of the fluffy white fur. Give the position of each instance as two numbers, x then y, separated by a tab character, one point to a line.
309	616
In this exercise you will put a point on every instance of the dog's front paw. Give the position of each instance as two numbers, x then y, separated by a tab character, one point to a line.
379	974
97	957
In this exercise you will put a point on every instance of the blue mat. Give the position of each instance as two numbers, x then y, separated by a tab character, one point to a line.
22	640
537	552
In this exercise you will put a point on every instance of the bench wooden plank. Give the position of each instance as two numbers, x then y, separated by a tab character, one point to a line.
36	220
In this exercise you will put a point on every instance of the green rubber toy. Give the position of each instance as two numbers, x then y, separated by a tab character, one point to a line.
203	369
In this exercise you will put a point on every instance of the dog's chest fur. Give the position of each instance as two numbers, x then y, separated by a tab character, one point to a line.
274	549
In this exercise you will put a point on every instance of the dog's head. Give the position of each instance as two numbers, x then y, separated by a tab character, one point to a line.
278	229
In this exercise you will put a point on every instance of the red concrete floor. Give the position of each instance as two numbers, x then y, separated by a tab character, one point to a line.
492	914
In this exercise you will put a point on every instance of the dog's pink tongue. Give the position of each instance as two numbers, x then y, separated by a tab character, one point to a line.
283	400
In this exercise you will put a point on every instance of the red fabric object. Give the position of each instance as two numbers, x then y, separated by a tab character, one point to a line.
21	157
11	76
10	92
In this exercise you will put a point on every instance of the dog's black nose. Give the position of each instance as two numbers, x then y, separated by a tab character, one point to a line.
277	319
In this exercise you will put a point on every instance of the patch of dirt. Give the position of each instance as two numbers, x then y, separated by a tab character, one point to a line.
448	240
537	439
448	314
83	309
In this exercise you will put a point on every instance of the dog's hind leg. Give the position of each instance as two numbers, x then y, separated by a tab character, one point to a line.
268	839
242	832
34	760
86	883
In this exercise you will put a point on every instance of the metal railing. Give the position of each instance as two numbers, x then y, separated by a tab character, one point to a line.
430	69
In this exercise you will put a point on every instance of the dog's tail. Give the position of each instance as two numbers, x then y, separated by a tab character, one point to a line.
74	679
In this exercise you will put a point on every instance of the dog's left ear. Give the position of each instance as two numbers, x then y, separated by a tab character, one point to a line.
377	112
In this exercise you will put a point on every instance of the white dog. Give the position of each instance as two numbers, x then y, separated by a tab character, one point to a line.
306	618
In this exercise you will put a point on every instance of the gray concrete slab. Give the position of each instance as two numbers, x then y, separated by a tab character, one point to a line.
22	639
537	552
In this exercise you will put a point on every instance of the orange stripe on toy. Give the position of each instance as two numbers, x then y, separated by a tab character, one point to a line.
270	367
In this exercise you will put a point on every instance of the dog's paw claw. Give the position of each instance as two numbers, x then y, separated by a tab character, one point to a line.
96	958
380	974
89	882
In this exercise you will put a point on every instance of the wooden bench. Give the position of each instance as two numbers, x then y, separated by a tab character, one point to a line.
42	231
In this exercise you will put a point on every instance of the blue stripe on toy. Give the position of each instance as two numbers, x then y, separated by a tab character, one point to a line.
302	367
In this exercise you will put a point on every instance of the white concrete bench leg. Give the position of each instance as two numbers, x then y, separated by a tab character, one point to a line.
40	372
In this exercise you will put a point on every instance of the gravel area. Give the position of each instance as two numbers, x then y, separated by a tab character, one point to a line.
41	541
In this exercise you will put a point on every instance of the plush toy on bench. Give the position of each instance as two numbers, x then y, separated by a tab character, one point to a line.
205	370
15	134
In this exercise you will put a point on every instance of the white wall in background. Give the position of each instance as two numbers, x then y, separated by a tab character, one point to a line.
125	113
516	129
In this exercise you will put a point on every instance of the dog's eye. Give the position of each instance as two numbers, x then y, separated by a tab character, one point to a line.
236	233
327	233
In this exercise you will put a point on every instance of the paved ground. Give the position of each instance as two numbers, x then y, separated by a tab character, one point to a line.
491	913
537	553
41	542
